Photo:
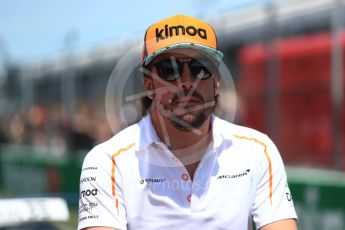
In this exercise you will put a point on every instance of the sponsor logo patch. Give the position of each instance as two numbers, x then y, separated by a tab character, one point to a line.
152	180
89	168
245	173
88	192
87	207
87	179
170	31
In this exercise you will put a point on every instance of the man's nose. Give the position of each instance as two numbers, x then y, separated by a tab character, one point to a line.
187	78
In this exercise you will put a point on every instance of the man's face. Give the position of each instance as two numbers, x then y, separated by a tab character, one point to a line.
182	89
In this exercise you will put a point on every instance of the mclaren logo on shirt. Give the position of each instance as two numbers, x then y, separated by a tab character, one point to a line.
245	173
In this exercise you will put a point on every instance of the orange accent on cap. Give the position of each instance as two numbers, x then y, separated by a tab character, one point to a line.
179	29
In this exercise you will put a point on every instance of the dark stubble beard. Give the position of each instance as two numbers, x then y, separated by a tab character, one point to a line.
191	119
194	121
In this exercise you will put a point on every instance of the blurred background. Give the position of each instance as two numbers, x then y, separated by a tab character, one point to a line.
286	58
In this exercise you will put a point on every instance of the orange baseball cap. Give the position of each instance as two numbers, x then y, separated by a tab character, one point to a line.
179	31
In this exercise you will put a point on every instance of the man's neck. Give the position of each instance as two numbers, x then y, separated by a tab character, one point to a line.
188	146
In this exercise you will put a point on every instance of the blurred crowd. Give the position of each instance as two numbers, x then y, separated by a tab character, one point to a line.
51	129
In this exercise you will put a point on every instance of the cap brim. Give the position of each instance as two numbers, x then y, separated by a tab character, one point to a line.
217	55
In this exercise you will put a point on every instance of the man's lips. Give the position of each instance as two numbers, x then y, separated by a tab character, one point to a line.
187	101
185	96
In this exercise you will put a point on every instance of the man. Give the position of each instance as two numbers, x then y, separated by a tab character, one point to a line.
181	166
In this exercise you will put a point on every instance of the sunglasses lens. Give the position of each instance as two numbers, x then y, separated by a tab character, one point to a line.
201	69
167	71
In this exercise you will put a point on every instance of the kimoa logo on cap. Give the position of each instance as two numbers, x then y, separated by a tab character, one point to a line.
169	31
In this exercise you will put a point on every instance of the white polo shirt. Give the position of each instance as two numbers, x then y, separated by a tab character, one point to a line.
133	181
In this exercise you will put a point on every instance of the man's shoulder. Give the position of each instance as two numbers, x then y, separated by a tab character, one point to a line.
124	140
239	131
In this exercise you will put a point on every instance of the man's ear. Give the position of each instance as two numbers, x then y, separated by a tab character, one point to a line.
148	85
216	86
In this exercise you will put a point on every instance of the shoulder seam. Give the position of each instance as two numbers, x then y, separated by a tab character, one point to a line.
113	164
267	158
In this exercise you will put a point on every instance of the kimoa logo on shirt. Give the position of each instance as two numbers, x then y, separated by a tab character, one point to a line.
170	31
245	173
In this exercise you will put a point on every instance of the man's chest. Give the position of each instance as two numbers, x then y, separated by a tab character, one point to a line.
221	192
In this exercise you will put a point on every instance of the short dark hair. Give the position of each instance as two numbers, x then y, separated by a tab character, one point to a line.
145	105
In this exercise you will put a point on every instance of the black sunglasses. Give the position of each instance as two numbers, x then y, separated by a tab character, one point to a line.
171	69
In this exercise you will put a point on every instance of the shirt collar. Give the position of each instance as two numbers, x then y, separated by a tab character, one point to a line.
149	136
218	134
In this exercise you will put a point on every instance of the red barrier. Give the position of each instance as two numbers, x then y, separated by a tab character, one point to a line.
304	124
